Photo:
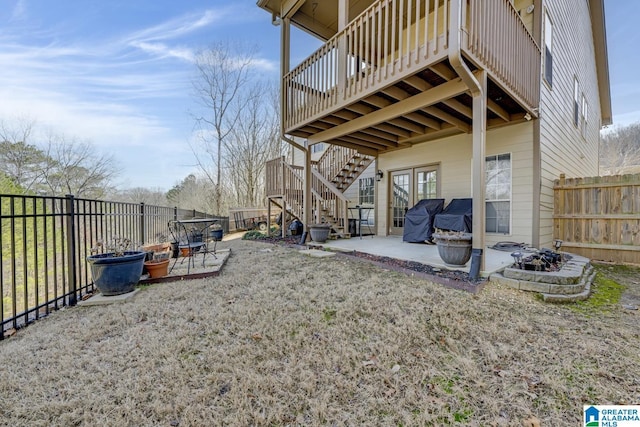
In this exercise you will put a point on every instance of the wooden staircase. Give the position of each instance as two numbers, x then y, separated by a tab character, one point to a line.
332	174
342	166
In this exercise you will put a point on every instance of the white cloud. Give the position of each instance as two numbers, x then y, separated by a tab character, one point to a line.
265	64
165	51
125	94
175	28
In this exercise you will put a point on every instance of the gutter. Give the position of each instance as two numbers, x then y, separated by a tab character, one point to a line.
290	141
455	49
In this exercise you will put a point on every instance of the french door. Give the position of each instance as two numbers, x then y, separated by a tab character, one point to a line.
407	187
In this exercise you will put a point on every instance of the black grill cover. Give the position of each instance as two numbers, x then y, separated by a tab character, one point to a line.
456	216
418	221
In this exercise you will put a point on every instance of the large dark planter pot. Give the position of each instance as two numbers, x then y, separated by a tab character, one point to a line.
116	275
319	232
216	234
454	248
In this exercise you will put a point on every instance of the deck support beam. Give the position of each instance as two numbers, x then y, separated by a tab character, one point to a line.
478	184
285	65
438	93
477	84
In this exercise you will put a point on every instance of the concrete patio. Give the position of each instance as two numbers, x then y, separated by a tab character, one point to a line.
394	247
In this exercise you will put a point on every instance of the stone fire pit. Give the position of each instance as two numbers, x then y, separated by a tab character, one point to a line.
572	282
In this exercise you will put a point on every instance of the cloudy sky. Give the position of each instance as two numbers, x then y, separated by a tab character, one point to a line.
118	73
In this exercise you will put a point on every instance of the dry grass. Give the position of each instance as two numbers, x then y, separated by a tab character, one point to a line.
281	339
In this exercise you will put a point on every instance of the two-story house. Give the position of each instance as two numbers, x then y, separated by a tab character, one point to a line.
488	99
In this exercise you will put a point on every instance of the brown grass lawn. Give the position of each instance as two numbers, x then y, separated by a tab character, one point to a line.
281	339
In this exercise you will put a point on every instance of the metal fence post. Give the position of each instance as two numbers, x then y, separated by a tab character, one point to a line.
71	248
143	233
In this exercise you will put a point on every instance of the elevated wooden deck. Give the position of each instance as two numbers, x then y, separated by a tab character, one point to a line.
385	82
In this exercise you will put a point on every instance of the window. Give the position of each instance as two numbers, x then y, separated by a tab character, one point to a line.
365	191
548	45
426	184
316	148
583	116
576	107
498	193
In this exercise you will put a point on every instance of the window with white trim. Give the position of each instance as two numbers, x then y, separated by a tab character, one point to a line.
365	191
576	100
584	116
498	193
548	46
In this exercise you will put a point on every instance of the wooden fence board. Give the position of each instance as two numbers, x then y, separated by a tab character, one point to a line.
599	217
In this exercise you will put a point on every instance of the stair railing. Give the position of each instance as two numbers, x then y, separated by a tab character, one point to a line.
329	201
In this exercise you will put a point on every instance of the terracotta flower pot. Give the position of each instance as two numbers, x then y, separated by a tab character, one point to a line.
157	268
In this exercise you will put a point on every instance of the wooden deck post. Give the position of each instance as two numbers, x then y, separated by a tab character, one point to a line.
478	168
343	20
306	195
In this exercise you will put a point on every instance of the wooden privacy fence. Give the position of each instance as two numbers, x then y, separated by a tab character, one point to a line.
599	217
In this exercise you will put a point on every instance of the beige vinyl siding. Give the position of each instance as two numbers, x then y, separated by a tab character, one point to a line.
563	149
351	192
453	155
298	156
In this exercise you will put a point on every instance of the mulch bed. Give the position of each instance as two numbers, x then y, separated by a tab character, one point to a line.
450	278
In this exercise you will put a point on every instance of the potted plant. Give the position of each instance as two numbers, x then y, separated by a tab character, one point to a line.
215	231
454	247
115	268
158	266
319	232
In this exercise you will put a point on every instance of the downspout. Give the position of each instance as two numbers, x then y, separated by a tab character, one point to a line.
478	92
455	49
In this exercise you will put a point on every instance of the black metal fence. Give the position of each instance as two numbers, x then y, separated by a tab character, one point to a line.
44	242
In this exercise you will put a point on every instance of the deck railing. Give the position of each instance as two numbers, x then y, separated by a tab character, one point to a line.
389	40
394	39
499	40
44	242
334	159
274	169
330	204
286	181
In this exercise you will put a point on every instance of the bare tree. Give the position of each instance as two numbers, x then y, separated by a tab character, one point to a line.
254	140
20	161
620	150
75	167
222	75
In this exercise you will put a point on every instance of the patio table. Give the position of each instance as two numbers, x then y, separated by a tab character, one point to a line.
194	235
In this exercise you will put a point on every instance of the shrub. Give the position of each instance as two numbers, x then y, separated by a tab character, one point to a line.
253	235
